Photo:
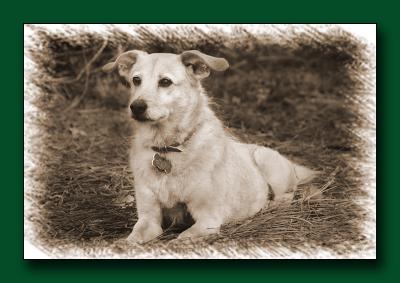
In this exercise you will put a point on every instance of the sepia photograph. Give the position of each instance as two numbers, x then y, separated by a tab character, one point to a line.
200	141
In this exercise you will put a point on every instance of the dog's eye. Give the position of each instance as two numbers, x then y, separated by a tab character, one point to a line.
164	82
136	80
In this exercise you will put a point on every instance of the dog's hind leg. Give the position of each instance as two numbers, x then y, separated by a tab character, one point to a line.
281	174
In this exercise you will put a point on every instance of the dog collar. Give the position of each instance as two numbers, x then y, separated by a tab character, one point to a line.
175	146
167	148
161	163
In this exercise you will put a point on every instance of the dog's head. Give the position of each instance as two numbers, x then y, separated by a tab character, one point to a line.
163	85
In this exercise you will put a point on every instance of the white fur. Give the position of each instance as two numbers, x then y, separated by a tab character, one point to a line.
217	177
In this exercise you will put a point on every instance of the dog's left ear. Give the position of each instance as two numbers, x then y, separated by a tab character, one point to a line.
124	62
199	64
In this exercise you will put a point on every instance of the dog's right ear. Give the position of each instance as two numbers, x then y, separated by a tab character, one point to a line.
124	62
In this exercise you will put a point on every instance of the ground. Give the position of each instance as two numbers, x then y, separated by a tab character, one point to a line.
300	96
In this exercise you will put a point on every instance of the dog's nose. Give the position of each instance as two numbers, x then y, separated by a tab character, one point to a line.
138	108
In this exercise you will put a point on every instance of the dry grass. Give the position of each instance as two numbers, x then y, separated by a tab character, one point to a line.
300	97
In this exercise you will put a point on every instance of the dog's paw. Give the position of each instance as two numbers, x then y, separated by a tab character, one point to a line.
185	235
195	232
144	232
284	198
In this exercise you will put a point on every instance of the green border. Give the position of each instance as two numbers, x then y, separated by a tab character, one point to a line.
386	267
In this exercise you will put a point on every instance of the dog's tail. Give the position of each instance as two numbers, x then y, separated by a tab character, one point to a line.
303	174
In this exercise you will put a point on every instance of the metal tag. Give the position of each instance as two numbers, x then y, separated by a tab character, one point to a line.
161	163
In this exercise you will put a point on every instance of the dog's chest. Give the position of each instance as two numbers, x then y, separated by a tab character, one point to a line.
153	173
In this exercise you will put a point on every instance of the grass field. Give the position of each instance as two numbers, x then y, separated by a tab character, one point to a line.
300	94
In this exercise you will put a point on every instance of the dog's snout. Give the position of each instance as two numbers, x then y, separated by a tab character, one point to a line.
138	108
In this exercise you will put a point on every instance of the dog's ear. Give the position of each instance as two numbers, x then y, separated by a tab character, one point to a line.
124	62
199	64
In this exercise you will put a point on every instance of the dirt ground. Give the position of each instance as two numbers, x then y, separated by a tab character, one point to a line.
300	95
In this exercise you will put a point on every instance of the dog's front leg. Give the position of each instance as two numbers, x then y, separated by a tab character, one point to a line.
148	225
208	221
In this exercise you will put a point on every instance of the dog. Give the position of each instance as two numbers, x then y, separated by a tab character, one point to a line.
183	160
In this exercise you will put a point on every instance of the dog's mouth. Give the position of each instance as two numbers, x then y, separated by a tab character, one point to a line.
144	118
141	118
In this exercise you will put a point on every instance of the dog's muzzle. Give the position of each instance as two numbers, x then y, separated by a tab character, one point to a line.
138	109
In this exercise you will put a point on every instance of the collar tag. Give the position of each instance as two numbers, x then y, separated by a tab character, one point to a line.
161	163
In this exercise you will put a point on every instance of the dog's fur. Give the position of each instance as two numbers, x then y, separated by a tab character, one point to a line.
217	178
